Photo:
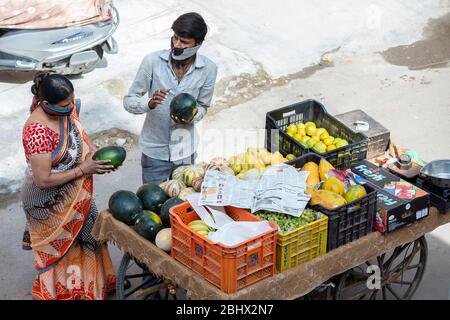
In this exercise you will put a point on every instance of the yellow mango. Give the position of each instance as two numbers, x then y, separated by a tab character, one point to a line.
327	199
324	168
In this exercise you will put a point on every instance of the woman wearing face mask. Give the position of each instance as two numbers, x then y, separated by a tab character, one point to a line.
57	197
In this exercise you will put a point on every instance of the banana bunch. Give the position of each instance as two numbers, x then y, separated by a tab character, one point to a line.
200	227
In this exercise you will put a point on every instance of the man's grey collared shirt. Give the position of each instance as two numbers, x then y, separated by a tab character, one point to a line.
161	138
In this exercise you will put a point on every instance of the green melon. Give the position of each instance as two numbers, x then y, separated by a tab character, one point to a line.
165	213
152	197
148	225
125	206
184	106
116	154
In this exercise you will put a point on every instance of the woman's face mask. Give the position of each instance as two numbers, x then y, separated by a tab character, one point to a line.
56	111
64	110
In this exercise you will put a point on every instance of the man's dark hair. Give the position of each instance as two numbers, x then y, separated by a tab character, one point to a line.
53	88
190	25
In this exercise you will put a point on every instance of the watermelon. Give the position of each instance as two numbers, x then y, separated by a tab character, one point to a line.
183	106
125	206
148	225
165	213
152	197
116	154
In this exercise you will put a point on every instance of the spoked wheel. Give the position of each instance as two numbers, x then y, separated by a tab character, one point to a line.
399	271
135	282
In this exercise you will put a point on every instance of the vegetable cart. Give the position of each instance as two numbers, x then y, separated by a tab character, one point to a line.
358	263
399	258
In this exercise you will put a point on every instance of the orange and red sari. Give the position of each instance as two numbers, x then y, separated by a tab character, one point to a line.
71	264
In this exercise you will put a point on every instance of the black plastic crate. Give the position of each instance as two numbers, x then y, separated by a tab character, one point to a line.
348	222
311	110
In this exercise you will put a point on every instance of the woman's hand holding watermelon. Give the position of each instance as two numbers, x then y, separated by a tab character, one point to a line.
90	166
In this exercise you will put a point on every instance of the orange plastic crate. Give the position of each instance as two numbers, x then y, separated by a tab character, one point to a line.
228	268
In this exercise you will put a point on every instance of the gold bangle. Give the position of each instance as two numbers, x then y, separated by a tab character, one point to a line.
82	172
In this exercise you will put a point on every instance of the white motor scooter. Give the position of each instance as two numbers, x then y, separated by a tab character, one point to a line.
70	50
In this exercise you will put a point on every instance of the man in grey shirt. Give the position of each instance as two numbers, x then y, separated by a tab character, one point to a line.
167	143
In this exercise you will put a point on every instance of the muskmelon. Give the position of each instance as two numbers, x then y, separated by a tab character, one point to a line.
125	206
173	187
152	197
163	239
190	173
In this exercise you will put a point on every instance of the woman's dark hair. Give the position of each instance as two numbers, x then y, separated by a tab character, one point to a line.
190	25
53	88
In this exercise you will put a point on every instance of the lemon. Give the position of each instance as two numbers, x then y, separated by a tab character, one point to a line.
324	135
301	131
328	141
290	157
310	124
341	143
311	130
300	125
292	128
320	131
311	142
305	139
331	147
298	137
320	147
291	134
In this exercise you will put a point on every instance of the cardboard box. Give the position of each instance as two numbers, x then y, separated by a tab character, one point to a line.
399	202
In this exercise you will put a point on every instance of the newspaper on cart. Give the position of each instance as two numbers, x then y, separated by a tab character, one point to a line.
280	189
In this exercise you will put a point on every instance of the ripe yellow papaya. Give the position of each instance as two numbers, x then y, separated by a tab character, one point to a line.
327	199
313	177
355	192
335	185
324	168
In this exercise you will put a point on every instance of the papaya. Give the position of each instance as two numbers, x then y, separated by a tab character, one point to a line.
327	199
324	168
354	193
335	185
313	177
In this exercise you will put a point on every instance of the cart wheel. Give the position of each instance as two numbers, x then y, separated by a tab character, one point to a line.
133	278
400	273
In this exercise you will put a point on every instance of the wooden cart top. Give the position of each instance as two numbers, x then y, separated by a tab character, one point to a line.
289	284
